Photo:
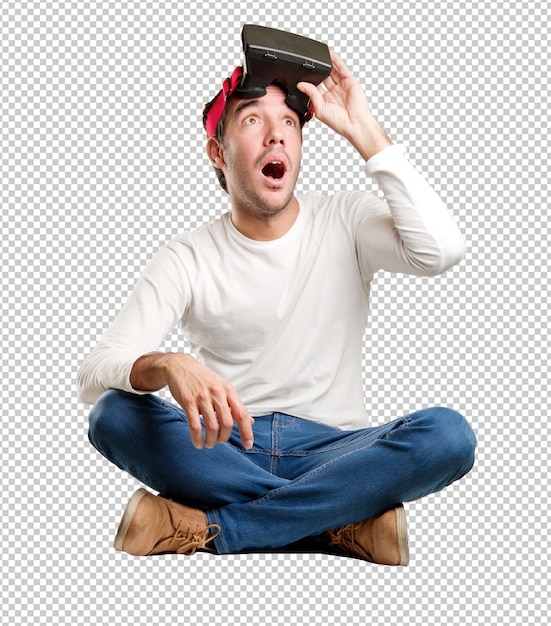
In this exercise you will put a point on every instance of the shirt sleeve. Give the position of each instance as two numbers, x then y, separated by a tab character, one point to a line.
153	309
411	230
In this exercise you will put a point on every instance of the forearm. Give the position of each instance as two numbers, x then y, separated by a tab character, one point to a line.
369	138
154	307
418	235
151	372
104	368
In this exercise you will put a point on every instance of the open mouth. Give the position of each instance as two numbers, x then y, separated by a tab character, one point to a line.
274	169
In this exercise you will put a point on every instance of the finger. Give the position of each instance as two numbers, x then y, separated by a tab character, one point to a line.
225	421
313	93
195	429
212	427
244	422
246	432
339	66
330	82
307	88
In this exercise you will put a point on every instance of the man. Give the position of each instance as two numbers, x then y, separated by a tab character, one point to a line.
268	443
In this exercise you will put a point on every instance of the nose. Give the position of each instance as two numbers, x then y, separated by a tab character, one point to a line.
274	134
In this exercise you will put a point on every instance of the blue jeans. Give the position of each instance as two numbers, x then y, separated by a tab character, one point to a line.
300	478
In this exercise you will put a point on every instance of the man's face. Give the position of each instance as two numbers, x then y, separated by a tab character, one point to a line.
260	153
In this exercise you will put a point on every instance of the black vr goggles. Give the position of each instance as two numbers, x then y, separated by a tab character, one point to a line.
273	56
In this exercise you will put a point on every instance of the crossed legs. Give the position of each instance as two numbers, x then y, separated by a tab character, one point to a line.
299	480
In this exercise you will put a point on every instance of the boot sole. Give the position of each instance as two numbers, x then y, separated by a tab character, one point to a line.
127	518
402	532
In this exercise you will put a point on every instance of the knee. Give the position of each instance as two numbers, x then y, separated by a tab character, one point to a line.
102	419
452	437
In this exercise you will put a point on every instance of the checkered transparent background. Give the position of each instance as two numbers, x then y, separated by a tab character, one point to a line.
102	160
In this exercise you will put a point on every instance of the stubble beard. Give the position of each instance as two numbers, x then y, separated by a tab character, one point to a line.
263	211
256	206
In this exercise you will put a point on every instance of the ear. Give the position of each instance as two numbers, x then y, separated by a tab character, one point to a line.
215	152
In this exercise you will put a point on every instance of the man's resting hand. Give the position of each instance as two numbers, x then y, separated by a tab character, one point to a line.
202	393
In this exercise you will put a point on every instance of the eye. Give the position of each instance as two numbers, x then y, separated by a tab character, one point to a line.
250	120
289	121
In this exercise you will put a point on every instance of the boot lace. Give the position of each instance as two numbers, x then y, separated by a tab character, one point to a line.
344	539
189	541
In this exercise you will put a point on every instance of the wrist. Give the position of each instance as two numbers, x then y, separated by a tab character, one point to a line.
152	371
370	140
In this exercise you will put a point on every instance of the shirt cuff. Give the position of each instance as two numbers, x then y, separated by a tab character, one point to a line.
385	159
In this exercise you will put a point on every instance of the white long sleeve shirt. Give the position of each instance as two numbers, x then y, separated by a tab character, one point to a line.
283	320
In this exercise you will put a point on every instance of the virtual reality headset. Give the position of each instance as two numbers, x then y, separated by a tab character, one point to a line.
270	57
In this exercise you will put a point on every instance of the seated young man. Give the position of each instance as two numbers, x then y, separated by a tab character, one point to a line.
268	441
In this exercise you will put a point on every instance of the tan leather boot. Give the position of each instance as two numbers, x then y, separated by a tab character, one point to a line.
381	539
154	525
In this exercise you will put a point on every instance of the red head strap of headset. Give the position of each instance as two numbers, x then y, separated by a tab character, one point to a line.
217	109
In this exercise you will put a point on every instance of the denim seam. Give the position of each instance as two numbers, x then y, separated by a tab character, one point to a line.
310	475
170	406
404	423
335	446
253	450
220	539
292	421
275	447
